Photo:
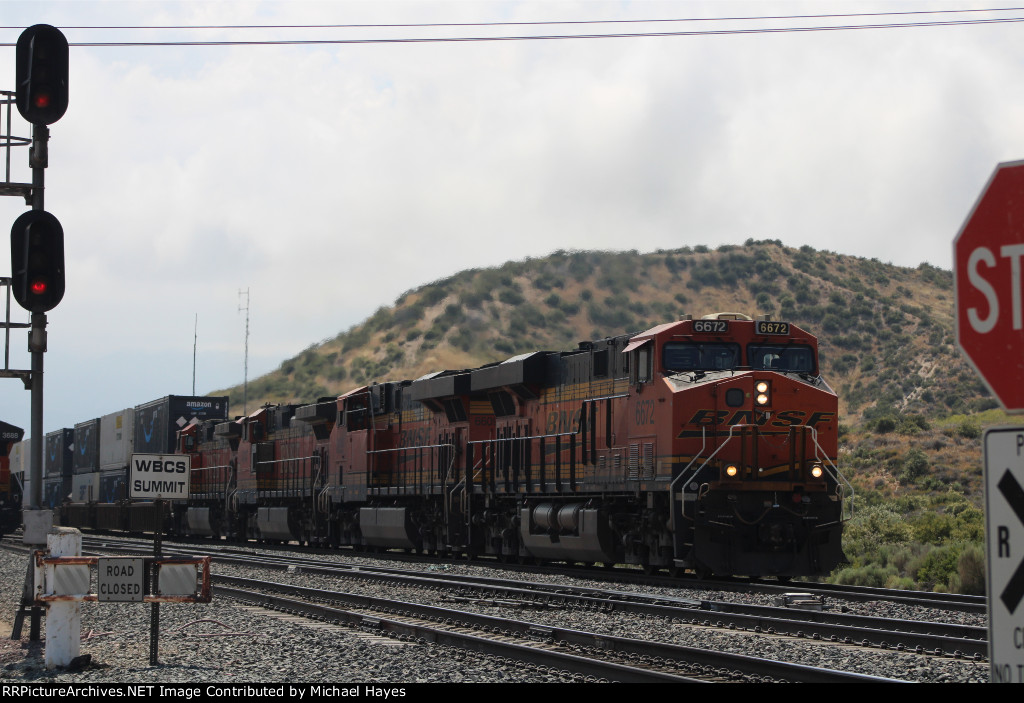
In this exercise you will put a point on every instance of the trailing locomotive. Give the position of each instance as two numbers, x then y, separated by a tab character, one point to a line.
10	480
705	444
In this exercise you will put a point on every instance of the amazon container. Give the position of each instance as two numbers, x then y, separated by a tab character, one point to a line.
58	453
87	447
157	422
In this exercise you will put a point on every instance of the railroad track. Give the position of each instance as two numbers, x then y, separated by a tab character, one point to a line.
589	654
924	637
954	602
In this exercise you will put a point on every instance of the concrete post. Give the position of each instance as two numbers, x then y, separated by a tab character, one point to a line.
64	618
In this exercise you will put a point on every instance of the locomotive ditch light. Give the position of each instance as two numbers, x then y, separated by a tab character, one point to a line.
817	471
731	470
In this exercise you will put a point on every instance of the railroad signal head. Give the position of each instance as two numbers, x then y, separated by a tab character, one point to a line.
41	67
37	260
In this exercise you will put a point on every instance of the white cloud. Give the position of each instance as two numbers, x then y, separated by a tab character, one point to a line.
327	179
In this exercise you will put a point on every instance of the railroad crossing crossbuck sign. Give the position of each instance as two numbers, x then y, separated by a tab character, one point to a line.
1004	526
987	263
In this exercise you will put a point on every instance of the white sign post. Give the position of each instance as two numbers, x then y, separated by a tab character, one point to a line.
1004	540
159	477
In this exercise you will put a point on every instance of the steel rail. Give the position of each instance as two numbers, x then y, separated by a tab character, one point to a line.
665	655
921	636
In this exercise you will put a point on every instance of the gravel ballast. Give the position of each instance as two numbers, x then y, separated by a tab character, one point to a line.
226	642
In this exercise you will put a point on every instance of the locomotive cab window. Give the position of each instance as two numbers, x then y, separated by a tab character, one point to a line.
689	356
643	364
795	358
356	417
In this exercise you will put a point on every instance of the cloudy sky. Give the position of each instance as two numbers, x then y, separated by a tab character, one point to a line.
328	177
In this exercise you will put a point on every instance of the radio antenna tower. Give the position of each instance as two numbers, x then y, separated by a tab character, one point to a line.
195	343
245	378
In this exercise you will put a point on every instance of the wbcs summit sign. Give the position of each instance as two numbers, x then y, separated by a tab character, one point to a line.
159	476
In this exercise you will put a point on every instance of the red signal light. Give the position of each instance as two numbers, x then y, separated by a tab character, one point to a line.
37	261
41	74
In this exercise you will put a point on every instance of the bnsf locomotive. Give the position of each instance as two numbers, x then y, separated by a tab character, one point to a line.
701	444
10	482
707	445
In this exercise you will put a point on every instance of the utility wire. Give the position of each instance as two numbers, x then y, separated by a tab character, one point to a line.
539	37
544	22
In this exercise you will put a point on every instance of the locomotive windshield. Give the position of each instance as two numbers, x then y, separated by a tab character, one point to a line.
689	356
776	357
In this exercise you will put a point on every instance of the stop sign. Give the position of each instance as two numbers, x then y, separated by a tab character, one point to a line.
987	262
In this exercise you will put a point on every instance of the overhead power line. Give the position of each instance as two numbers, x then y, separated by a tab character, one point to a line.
539	37
408	25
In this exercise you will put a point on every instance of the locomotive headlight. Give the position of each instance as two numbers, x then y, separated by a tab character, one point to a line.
731	470
816	471
763	396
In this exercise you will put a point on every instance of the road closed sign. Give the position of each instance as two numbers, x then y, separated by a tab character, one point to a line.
1004	539
120	579
156	476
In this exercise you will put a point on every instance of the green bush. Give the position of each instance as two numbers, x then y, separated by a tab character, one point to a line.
870	530
869	575
511	296
970	569
969	429
938	565
915	464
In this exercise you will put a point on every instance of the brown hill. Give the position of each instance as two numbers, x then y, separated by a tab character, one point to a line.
913	410
886	332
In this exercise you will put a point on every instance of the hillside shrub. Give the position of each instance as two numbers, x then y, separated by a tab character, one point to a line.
870	530
511	296
969	429
872	575
970	568
935	569
915	464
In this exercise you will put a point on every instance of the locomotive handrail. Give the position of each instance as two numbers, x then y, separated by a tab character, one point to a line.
703	444
281	461
819	455
323	500
539	436
407	449
209	468
838	477
672	483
